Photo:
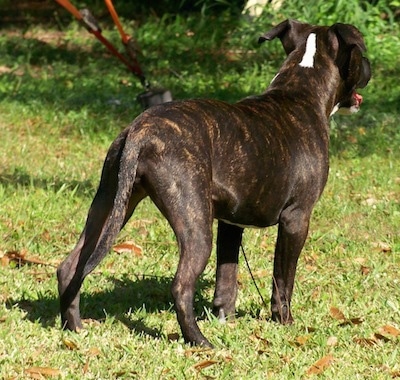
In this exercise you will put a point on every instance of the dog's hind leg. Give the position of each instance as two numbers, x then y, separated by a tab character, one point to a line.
187	205
229	239
112	206
195	249
70	272
292	233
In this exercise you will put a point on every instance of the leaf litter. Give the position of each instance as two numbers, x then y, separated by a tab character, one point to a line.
320	365
40	372
128	247
380	336
22	258
339	316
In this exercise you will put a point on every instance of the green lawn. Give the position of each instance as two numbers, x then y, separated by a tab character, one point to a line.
63	100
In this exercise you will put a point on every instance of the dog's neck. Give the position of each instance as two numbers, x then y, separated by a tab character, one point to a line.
310	76
307	85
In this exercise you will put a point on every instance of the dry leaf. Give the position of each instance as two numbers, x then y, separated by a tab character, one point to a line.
227	358
378	336
22	258
381	246
86	366
196	350
366	342
43	371
387	329
128	247
94	351
204	364
365	270
360	260
262	273
356	321
311	268
301	340
336	314
70	344
332	341
257	338
5	261
286	359
339	315
320	365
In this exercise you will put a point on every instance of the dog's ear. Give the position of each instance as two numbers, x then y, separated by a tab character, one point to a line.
365	73
290	32
349	48
349	35
359	69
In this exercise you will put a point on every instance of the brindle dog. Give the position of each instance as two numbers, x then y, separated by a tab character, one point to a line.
259	162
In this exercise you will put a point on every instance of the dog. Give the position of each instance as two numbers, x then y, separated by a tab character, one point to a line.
256	163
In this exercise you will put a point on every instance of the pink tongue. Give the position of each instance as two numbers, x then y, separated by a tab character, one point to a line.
358	98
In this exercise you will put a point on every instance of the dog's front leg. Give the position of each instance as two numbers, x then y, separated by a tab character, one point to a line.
229	239
292	233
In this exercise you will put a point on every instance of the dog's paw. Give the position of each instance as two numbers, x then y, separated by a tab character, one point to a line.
282	315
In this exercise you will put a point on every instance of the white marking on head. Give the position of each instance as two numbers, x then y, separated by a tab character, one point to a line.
274	78
311	49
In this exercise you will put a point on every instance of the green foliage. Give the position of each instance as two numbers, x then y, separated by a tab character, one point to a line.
64	99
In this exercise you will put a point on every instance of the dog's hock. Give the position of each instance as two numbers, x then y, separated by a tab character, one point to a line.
309	54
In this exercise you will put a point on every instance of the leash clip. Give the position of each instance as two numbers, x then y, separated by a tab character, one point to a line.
89	21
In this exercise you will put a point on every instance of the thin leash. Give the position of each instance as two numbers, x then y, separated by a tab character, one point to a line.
152	95
91	24
252	277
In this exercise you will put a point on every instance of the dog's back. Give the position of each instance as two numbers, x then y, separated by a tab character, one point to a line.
261	161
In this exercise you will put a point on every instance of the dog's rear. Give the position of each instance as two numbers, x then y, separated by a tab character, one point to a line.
261	161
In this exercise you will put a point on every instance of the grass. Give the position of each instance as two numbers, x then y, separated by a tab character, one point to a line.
63	100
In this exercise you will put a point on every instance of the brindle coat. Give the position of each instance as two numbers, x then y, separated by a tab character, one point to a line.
259	162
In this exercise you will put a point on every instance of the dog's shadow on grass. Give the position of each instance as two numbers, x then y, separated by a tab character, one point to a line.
128	301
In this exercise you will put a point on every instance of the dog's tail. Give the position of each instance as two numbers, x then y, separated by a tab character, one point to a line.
119	185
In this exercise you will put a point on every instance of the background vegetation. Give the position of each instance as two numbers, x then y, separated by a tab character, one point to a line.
64	99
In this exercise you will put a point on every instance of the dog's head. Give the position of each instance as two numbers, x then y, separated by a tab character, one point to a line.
342	43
